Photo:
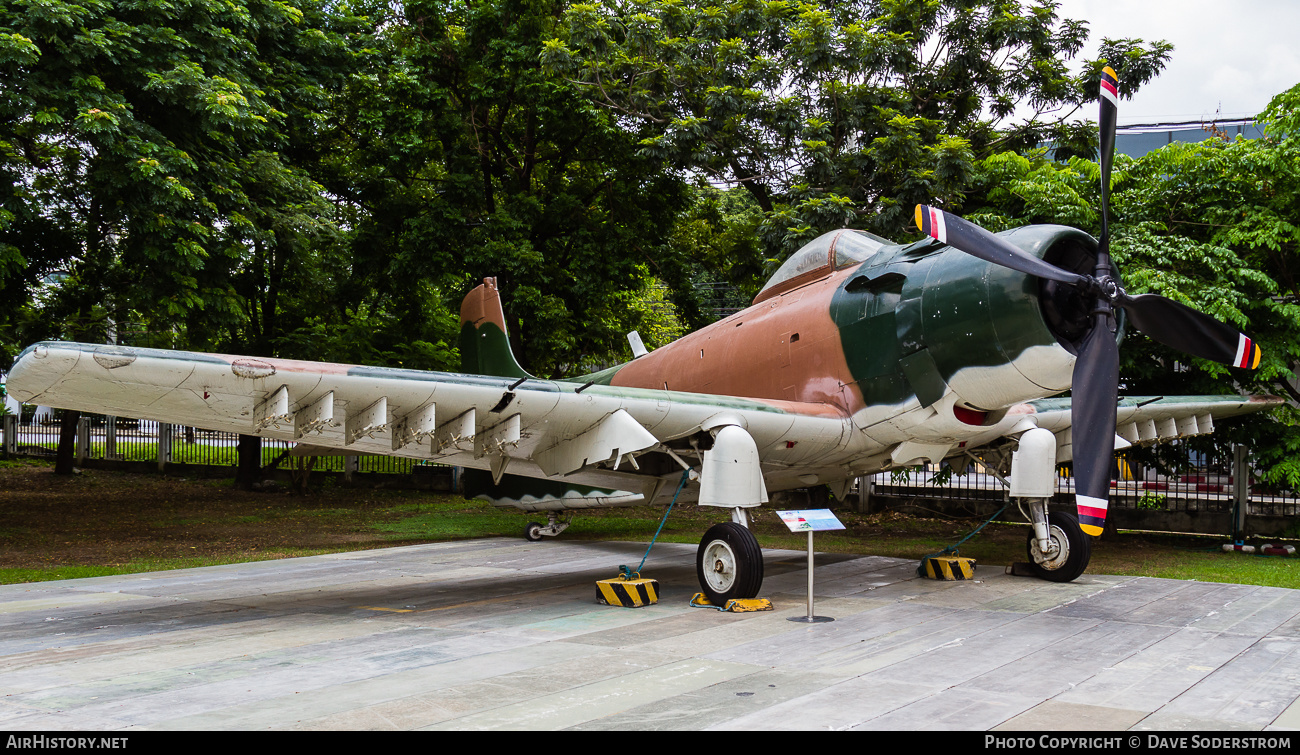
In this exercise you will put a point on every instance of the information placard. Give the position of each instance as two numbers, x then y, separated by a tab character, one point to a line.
810	520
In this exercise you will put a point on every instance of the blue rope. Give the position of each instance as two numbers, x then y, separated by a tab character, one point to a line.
953	548
623	568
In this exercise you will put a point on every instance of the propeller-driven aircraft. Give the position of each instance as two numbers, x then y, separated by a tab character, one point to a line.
859	355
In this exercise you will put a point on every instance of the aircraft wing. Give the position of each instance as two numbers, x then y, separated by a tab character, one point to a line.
1149	419
618	439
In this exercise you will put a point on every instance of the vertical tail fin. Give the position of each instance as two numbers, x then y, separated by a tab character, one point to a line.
484	344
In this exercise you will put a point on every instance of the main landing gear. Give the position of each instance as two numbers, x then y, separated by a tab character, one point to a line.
1058	549
729	563
1064	553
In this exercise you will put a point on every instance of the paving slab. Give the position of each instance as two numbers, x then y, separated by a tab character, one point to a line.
1289	720
835	707
1263	611
952	710
1253	689
1053	715
506	634
1151	678
717	703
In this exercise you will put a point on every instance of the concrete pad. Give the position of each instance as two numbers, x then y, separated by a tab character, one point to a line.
502	634
1289	720
1052	715
603	699
952	710
1152	677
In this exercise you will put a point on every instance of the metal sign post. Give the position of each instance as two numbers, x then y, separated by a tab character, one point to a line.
1240	491
810	521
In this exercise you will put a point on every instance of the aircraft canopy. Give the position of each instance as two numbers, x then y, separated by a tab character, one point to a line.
818	258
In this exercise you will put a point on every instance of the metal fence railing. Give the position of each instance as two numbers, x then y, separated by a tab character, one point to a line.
123	439
1201	483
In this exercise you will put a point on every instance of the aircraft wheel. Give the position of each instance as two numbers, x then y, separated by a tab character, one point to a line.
533	532
729	563
1072	550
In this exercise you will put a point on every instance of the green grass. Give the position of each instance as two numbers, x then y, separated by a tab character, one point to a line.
1235	568
101	523
9	576
227	456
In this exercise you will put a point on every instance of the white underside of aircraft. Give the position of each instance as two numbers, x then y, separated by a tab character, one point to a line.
594	436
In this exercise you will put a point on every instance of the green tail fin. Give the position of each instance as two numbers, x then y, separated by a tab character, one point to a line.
484	344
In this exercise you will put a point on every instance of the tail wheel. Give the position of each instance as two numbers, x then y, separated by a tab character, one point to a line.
729	563
1069	553
533	532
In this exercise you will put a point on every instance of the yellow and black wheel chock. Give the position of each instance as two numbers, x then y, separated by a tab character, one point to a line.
735	605
628	590
947	567
947	564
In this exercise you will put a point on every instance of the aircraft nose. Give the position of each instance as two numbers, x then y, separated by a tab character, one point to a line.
983	329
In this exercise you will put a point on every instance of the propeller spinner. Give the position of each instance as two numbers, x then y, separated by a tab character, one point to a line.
1095	382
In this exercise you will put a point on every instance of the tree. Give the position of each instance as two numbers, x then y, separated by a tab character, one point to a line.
459	158
132	136
830	113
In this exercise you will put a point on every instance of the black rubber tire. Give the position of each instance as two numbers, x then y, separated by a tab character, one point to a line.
736	568
1063	523
533	532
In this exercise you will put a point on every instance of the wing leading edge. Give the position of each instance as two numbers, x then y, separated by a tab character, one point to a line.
1142	420
621	439
593	445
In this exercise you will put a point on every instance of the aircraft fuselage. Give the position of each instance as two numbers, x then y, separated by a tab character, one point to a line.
917	343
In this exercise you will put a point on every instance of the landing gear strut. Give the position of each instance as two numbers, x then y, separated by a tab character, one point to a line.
729	563
1058	549
554	526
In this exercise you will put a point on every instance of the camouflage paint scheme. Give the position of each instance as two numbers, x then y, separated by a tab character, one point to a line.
898	326
895	356
885	340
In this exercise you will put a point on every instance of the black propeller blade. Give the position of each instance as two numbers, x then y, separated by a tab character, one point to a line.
1096	370
1180	327
977	242
1095	388
1095	383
